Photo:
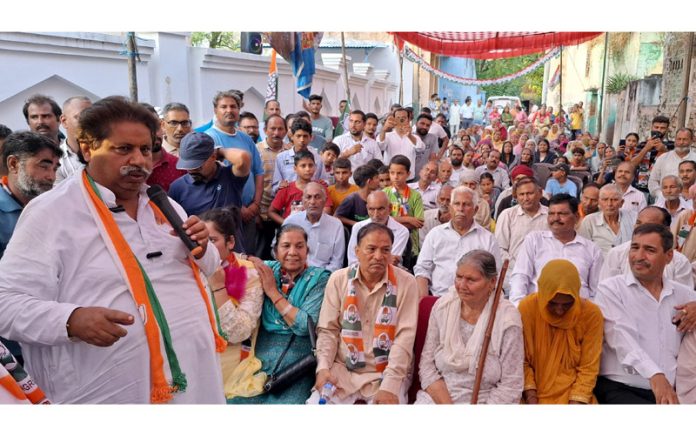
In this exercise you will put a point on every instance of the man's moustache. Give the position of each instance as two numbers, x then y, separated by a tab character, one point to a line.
131	170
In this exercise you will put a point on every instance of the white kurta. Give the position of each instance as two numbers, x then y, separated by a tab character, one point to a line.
57	261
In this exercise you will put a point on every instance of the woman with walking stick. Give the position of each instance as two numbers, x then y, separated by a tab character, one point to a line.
458	330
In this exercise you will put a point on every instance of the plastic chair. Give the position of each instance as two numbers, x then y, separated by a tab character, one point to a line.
424	308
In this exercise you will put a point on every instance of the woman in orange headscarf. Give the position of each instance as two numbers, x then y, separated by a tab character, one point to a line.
562	339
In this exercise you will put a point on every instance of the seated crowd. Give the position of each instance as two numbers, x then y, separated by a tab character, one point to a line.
345	262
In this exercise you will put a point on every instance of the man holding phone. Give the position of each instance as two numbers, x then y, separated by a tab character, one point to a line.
668	163
649	150
396	138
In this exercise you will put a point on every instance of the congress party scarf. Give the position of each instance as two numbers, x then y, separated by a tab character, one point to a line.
385	324
145	297
17	382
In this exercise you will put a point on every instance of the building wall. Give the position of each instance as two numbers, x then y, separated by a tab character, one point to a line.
458	67
62	65
676	66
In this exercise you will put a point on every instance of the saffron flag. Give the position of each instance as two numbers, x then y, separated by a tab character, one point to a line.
272	84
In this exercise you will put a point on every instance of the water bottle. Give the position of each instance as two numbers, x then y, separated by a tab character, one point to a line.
326	392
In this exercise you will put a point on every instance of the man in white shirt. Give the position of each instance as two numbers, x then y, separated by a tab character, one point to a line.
447	243
325	235
426	185
455	117
616	260
668	163
633	199
355	145
74	294
439	132
610	226
516	222
440	215
396	138
639	353
467	113
500	175
378	208
69	119
560	242
670	197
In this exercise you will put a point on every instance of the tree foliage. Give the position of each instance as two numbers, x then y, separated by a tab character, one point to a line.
227	40
527	87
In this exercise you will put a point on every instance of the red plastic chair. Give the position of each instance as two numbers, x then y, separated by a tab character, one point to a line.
424	308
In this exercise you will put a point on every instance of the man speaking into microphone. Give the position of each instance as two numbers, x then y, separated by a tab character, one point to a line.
106	301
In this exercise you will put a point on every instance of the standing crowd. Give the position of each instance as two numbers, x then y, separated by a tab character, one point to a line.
299	259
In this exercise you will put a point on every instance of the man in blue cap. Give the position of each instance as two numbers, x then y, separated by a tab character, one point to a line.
208	184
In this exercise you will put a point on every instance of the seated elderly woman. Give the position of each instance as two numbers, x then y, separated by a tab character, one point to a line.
238	296
455	338
562	339
293	291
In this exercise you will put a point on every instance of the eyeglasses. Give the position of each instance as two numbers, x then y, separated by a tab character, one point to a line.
175	124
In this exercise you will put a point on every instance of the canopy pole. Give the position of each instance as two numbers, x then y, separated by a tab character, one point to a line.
132	73
560	82
401	77
604	76
345	67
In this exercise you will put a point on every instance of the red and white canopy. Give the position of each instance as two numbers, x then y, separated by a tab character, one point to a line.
490	45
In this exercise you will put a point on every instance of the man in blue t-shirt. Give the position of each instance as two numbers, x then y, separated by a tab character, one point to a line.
559	182
208	184
227	105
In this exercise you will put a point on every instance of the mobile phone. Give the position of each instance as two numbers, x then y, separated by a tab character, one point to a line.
656	134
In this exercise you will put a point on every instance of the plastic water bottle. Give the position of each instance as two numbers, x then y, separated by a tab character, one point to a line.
326	392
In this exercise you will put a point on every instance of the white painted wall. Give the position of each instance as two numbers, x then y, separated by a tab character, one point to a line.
62	65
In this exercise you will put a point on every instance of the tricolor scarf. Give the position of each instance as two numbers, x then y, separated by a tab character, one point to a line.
685	231
145	297
385	324
15	380
400	208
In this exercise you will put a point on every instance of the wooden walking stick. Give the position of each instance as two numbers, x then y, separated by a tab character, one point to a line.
488	333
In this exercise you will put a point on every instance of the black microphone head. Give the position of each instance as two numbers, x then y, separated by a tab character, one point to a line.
155	190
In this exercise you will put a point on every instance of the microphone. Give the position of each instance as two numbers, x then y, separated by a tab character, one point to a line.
159	197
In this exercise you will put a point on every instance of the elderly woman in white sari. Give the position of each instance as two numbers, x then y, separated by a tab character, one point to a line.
455	337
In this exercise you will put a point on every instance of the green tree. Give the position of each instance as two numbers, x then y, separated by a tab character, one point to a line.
228	40
527	87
